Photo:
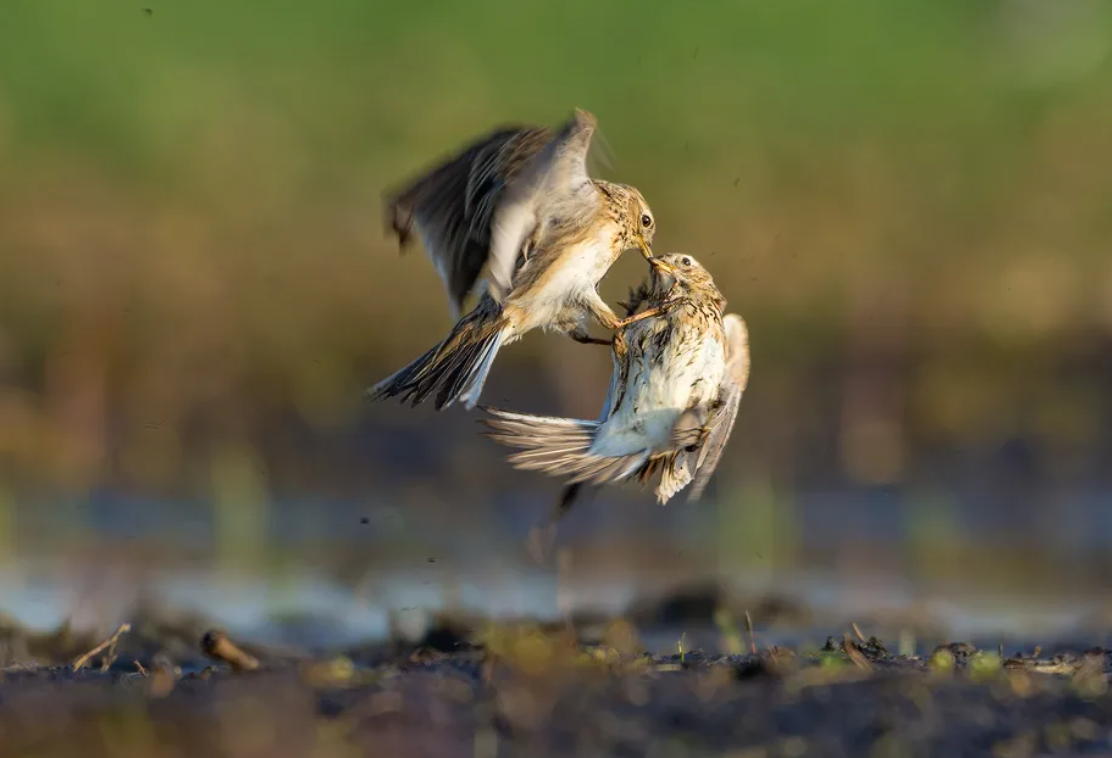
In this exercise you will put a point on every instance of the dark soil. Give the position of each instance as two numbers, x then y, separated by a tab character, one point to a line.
524	690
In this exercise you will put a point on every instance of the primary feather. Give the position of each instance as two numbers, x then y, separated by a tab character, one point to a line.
452	205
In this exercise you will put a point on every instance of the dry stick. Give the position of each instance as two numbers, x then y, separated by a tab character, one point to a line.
752	638
858	633
855	655
215	644
83	660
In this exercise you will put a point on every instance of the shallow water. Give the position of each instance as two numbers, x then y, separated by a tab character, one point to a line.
330	572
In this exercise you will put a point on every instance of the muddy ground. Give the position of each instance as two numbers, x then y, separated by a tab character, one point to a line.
518	689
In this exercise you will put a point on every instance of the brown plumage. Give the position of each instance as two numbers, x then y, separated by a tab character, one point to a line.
452	206
520	206
674	392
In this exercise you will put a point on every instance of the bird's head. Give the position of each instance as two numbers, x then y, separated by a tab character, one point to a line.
635	218
680	271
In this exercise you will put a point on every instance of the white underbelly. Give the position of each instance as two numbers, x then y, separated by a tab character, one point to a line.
657	391
561	289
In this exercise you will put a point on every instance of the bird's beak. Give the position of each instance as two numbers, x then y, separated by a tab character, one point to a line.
661	266
645	249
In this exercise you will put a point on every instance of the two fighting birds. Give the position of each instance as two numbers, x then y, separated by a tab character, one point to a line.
519	208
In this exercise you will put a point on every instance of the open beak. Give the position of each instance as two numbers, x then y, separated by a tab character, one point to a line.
645	249
661	266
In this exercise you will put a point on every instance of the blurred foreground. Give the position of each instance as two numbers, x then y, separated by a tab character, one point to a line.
509	690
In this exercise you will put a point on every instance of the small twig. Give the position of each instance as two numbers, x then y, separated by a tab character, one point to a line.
752	637
857	631
140	668
109	643
855	655
215	644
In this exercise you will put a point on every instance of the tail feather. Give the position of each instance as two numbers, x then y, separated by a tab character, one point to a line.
558	447
457	368
469	383
676	475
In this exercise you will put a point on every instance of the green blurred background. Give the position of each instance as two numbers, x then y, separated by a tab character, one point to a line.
909	201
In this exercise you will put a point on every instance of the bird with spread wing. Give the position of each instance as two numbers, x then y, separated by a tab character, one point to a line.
674	394
520	206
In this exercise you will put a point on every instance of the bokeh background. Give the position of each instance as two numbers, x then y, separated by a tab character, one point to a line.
909	202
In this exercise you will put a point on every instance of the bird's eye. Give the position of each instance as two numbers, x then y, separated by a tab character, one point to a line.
685	261
646	220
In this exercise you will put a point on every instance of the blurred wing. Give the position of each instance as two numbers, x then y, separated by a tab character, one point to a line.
721	422
494	168
557	171
451	204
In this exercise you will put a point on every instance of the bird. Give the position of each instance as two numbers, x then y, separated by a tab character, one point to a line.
520	205
675	389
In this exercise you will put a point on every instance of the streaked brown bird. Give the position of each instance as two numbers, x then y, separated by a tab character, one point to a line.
674	394
519	205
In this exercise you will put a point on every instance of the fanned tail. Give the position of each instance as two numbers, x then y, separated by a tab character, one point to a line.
675	474
559	447
457	368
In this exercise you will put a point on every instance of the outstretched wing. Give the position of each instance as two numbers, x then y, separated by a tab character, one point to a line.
452	204
721	422
554	174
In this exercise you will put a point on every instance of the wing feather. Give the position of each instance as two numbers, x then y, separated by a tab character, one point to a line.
554	175
721	422
452	204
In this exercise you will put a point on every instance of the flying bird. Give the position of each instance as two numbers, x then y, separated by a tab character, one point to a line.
520	206
674	394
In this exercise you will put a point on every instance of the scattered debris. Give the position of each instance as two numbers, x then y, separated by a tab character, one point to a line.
109	643
216	644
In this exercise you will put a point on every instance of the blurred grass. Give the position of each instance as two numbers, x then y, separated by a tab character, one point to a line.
908	201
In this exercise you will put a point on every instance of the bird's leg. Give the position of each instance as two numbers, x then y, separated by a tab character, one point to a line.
601	311
541	538
656	310
579	334
530	244
621	347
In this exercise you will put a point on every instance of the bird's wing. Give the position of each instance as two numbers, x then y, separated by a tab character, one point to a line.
452	204
737	350
554	173
721	422
618	376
